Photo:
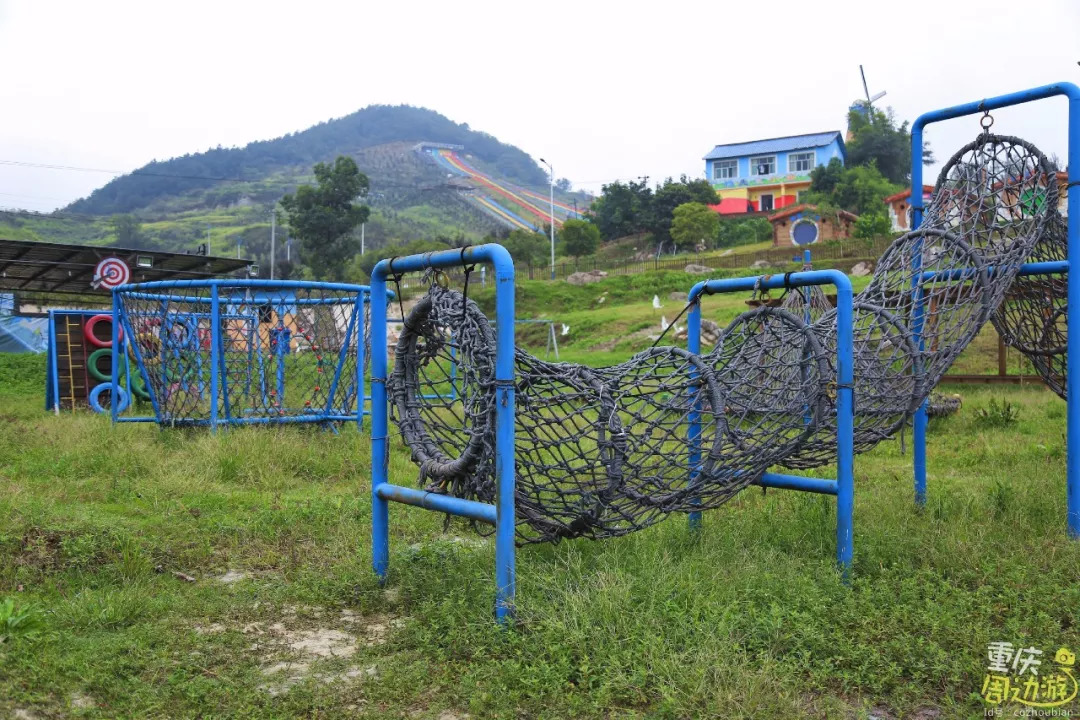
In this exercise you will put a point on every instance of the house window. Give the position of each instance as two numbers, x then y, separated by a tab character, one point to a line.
798	196
765	203
800	162
725	169
764	165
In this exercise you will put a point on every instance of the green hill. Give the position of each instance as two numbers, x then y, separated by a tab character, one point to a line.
223	196
221	174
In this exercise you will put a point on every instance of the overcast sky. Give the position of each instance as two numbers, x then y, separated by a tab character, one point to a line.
604	90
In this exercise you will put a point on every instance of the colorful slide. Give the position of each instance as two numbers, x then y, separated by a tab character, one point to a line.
513	206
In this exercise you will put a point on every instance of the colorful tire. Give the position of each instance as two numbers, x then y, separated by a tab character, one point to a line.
138	386
95	371
88	331
95	397
149	345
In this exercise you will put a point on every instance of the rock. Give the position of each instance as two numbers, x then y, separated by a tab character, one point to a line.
583	278
710	332
760	264
861	269
695	269
680	296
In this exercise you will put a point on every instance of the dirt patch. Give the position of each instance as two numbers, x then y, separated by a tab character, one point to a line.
291	651
42	549
232	576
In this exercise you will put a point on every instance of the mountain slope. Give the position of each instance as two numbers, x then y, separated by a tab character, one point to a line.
371	127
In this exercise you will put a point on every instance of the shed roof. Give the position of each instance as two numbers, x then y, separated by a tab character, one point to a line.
772	145
39	267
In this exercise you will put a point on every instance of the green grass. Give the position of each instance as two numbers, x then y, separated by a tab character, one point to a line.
101	526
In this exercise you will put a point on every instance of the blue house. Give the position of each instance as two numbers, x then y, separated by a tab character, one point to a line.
766	175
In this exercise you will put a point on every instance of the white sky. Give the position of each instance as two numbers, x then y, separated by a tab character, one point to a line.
604	90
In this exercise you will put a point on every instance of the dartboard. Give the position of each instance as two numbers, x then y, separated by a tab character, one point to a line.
111	272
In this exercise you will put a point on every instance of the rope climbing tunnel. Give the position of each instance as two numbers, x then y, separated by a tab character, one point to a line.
601	452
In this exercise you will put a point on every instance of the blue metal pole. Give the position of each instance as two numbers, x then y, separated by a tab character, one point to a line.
500	259
1072	92
215	342
54	370
360	330
505	580
1072	469
845	425
380	507
845	404
693	435
114	393
921	419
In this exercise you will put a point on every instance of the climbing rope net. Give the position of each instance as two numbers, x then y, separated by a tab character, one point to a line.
281	352
601	452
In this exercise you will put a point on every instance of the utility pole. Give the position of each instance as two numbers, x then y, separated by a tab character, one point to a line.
551	177
273	230
644	180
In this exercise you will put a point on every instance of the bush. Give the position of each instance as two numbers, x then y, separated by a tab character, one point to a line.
997	414
868	227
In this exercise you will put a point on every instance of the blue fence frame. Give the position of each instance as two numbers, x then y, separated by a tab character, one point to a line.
1072	93
843	487
174	290
501	514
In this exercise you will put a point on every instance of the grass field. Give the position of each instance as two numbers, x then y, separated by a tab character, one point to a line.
170	574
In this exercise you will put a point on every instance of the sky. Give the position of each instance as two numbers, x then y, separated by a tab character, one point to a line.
603	90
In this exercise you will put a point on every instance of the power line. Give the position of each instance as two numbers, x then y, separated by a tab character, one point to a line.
150	173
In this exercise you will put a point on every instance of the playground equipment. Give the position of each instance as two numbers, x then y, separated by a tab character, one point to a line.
79	363
241	352
545	451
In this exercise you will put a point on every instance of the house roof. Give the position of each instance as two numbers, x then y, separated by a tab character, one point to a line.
927	189
40	267
789	211
772	145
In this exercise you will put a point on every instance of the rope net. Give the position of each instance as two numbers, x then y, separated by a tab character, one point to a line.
604	451
282	352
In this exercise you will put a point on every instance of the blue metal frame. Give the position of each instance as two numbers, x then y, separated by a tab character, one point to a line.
843	487
501	515
1072	93
218	390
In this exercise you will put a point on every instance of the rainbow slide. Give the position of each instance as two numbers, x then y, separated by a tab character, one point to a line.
512	206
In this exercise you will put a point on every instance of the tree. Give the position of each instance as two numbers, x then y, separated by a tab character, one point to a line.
872	225
579	238
128	231
877	139
671	195
323	217
622	209
860	190
564	185
530	248
694	224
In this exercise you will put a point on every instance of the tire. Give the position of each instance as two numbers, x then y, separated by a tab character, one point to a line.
95	397
95	371
88	331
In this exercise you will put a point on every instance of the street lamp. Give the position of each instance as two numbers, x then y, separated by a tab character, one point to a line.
551	177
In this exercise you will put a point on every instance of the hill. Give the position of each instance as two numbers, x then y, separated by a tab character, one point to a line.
223	197
285	157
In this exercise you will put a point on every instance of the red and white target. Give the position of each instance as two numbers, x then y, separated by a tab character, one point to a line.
112	272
